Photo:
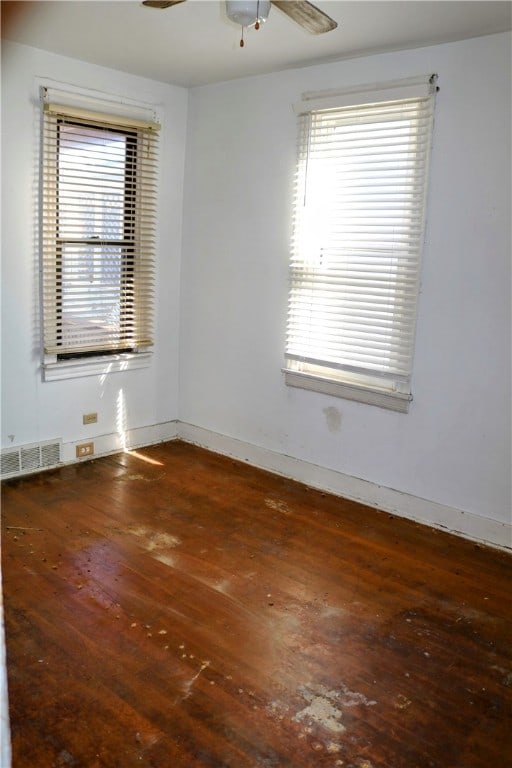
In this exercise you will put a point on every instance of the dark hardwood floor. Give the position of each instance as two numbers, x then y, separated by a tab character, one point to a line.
194	611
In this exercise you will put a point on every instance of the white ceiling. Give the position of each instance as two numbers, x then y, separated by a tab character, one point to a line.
194	43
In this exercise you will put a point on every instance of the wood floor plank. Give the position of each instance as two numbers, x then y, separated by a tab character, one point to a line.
174	608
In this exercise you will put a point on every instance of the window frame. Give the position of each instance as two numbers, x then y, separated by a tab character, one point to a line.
362	383
136	259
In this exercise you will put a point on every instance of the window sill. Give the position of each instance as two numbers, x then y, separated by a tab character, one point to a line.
94	366
394	401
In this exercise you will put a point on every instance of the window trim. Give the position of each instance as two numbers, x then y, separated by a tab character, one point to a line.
101	365
123	117
394	401
363	386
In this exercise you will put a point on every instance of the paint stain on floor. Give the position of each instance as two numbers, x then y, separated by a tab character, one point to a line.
154	540
321	711
321	720
278	506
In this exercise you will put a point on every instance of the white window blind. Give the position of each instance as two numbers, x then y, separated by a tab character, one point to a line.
358	233
98	215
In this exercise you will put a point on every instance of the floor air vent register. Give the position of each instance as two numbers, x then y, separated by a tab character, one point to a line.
29	458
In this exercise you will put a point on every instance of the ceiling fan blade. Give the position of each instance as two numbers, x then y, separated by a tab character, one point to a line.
161	3
307	15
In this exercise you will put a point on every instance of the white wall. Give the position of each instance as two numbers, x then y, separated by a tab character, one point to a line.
453	448
32	410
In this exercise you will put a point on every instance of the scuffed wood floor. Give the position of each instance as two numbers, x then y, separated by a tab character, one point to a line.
195	612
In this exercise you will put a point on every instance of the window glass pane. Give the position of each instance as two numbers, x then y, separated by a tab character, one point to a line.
91	293
356	225
91	183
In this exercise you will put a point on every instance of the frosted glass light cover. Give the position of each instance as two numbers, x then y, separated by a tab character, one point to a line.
247	12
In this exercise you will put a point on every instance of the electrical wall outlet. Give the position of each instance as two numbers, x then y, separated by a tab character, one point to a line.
89	418
84	449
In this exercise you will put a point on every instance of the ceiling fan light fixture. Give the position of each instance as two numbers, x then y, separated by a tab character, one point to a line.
248	13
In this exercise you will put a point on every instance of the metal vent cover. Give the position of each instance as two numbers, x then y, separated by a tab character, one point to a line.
29	458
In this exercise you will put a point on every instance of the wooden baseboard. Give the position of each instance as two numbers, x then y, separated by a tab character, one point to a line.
431	513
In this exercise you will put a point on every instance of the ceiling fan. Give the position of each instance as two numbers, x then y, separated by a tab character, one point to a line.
252	13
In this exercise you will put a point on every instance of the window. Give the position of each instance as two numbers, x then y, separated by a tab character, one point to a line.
358	232
97	225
